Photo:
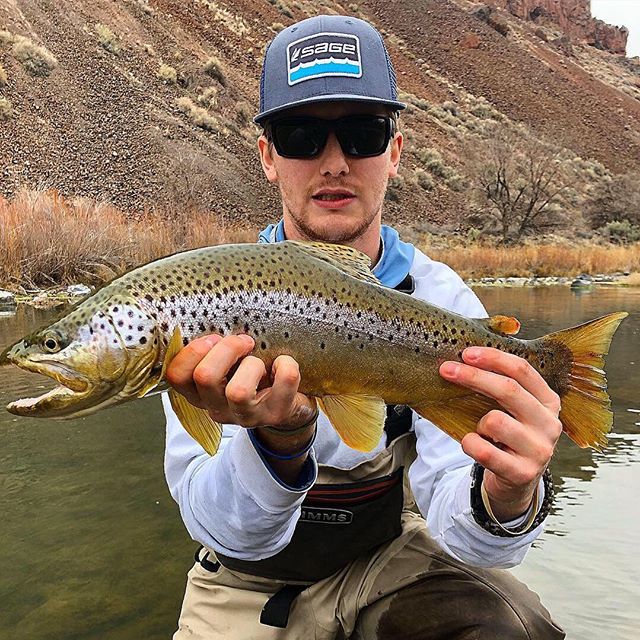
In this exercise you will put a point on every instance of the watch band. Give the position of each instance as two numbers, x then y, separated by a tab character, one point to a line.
486	520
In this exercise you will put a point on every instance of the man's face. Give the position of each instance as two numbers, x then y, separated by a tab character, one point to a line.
332	197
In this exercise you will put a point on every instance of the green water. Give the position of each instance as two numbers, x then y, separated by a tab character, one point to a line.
92	546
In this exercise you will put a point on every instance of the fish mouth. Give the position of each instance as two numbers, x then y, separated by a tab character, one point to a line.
72	388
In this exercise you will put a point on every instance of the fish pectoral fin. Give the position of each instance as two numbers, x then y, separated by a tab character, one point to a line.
175	344
347	259
197	423
457	416
502	325
359	420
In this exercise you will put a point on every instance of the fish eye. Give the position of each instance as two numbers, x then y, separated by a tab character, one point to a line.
51	343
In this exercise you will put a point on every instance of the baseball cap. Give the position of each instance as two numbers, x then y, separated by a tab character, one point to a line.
326	58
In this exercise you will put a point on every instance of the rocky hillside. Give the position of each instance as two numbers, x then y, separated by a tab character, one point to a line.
148	103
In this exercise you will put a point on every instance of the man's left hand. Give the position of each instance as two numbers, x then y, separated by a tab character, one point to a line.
514	445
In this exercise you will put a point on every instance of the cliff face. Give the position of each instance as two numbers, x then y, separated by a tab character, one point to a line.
574	18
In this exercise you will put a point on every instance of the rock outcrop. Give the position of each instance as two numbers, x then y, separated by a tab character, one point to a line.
573	17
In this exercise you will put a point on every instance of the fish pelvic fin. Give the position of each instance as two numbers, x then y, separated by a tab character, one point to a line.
459	416
359	420
585	412
196	422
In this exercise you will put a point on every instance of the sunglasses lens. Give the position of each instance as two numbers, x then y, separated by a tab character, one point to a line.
359	136
364	135
299	138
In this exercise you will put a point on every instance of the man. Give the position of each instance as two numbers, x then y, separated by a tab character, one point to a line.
303	537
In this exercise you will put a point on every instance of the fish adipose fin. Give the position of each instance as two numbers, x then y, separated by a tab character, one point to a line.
585	404
359	420
502	325
196	422
457	416
347	259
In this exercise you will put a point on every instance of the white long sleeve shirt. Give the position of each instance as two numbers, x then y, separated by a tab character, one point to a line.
235	504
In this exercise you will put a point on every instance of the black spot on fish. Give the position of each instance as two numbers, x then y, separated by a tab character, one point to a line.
322	345
143	340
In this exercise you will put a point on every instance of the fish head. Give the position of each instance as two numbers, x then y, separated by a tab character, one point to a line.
99	354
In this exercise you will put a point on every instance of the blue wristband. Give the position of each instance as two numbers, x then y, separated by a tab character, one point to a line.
277	456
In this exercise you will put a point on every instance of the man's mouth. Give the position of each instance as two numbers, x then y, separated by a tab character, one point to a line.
329	198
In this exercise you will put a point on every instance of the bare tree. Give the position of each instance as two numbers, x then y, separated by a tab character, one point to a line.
615	199
518	182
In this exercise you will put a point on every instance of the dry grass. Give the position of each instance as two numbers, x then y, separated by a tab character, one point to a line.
167	74
48	239
6	110
199	117
478	261
37	60
107	39
3	76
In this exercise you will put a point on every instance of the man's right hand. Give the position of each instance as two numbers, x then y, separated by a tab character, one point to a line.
219	375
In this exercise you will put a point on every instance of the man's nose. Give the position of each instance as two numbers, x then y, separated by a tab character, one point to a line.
332	159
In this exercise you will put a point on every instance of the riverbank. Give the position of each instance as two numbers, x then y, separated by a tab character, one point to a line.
61	296
50	242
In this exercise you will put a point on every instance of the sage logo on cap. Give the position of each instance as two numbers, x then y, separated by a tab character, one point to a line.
322	55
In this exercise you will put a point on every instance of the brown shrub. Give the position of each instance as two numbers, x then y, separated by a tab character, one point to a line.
3	76
37	60
48	239
6	110
213	68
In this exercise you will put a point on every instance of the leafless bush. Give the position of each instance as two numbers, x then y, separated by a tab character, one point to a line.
47	239
6	37
614	199
199	116
517	181
37	60
167	74
3	76
213	68
6	110
107	39
208	98
282	7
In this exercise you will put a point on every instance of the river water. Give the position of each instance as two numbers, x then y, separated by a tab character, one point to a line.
92	545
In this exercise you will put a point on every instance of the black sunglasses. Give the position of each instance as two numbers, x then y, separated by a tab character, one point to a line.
360	136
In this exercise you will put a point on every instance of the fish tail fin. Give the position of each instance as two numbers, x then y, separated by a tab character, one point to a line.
585	404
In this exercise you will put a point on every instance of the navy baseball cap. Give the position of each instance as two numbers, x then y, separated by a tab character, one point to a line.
326	58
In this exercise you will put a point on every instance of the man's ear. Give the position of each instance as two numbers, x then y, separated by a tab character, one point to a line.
396	152
266	158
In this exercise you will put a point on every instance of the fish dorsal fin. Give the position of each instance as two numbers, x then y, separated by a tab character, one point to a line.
347	259
196	422
359	420
458	416
502	325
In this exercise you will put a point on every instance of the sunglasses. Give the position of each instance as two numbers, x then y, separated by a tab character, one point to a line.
360	136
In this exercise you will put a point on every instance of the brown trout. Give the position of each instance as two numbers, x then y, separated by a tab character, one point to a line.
359	344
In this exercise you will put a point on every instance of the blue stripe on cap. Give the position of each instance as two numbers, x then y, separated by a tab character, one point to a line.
325	69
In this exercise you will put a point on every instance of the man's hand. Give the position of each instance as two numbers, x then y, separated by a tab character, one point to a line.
219	375
514	445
